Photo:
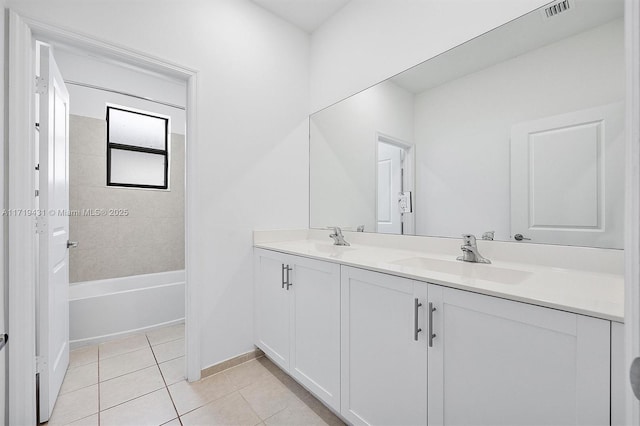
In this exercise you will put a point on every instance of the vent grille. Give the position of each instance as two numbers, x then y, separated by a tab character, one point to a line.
557	8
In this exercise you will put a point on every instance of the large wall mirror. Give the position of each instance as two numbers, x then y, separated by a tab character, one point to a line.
519	131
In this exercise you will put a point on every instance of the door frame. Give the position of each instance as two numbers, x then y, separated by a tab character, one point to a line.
632	208
409	182
21	185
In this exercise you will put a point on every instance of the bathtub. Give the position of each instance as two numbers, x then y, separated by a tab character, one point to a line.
106	309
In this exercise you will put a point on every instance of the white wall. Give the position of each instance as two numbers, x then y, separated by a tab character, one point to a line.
463	127
80	67
252	127
368	41
3	278
343	151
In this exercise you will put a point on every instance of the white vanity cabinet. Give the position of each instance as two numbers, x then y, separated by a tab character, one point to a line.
499	362
381	349
297	319
384	369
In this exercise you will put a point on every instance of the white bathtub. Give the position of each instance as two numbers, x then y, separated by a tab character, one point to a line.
106	309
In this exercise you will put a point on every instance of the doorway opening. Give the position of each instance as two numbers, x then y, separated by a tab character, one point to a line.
394	186
110	175
26	186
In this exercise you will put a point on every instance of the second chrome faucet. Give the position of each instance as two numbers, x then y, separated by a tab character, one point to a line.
470	251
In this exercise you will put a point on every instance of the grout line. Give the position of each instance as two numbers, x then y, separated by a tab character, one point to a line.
165	381
132	399
251	407
128	372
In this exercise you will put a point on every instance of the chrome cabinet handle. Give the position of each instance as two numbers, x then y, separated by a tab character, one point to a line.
431	333
289	269
283	281
416	329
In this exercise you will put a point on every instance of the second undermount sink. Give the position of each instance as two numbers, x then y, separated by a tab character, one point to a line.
466	269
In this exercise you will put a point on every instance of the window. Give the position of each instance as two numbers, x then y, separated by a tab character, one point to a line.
137	149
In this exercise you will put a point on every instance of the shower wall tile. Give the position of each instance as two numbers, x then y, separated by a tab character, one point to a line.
88	170
150	238
87	135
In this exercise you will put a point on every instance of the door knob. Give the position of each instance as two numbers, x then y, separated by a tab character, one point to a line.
520	237
72	244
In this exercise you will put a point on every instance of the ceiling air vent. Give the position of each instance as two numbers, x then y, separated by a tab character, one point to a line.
557	8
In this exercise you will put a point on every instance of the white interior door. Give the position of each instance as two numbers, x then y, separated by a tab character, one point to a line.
389	188
567	178
53	231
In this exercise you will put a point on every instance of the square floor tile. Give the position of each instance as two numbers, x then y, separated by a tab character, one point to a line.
152	409
189	396
166	334
130	386
123	346
126	363
87	421
229	410
168	351
322	411
80	377
247	373
295	415
75	405
268	396
173	371
82	356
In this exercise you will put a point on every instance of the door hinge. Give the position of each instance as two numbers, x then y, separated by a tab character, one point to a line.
37	192
41	86
41	225
38	166
41	364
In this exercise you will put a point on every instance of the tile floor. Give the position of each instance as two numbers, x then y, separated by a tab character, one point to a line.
138	380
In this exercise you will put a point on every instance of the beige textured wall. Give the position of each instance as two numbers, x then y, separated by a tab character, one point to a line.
149	239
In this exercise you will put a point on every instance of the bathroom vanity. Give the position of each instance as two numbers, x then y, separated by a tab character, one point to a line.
516	135
394	330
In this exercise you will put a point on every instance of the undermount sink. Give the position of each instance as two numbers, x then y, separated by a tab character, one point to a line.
466	269
331	248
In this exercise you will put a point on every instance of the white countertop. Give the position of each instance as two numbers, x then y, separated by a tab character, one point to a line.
597	294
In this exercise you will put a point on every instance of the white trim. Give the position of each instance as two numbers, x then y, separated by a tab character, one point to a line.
21	185
632	219
192	308
22	255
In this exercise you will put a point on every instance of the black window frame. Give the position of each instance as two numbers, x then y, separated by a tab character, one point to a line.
125	147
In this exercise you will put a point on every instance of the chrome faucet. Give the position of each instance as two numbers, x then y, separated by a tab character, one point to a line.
338	238
489	235
470	250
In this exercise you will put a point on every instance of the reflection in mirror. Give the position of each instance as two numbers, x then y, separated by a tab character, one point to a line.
519	131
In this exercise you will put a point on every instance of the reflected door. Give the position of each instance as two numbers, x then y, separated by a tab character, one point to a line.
389	219
567	178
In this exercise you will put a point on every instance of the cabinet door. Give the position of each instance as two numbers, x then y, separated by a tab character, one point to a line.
315	328
498	362
384	370
271	306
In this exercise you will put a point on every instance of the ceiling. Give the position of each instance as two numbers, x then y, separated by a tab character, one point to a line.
305	14
520	36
